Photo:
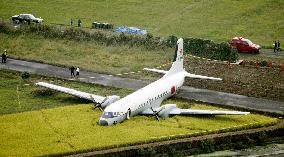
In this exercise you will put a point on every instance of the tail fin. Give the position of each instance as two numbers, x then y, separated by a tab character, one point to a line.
177	65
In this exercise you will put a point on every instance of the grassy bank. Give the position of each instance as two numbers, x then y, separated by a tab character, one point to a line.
216	20
85	54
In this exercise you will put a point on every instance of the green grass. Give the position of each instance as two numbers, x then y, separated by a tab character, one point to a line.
85	54
18	95
70	124
261	21
74	128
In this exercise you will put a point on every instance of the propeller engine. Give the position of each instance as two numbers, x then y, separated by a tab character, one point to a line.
163	111
106	102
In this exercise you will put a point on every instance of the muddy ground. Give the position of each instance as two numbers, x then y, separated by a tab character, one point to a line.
267	83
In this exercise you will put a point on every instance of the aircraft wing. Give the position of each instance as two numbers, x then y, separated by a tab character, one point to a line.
156	70
73	92
178	111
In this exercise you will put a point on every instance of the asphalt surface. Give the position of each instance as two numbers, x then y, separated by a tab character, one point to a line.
190	93
271	54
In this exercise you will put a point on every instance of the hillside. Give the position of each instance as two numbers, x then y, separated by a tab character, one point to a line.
262	21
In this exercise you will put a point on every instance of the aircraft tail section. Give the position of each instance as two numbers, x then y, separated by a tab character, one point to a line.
177	65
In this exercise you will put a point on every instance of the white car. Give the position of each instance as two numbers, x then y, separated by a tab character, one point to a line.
21	18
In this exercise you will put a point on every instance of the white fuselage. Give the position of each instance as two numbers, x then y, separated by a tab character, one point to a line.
143	99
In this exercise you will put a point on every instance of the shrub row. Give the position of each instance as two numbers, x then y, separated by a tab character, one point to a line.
195	46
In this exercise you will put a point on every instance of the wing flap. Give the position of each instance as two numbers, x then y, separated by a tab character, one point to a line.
73	92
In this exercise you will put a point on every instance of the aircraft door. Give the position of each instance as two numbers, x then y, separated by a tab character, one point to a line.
128	114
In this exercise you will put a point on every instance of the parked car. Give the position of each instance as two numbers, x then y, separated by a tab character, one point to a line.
22	18
244	45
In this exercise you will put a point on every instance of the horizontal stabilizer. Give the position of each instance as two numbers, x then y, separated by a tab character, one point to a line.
201	77
73	92
156	70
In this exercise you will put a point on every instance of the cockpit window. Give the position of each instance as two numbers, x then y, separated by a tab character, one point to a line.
107	115
110	114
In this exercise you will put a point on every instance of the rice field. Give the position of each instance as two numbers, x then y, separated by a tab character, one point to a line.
40	124
75	128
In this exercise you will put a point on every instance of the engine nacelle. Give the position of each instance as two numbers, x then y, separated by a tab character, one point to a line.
165	110
109	100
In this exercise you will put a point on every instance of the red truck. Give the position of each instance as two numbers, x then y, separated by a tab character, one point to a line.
244	45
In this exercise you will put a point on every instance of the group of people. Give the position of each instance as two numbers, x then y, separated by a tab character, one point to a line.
79	23
4	56
73	69
277	46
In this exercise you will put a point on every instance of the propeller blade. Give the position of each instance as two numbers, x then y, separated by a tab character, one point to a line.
101	109
153	110
159	111
97	104
155	113
157	117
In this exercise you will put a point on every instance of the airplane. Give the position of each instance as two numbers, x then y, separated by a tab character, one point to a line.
147	100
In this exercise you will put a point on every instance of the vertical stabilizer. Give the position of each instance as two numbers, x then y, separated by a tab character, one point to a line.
177	65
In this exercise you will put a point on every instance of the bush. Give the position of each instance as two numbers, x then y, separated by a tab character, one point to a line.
209	49
25	75
263	63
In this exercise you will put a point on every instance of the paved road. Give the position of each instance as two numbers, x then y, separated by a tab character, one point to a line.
232	100
190	93
271	54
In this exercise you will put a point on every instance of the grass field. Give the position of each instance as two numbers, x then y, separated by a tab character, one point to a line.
87	55
70	124
18	95
261	21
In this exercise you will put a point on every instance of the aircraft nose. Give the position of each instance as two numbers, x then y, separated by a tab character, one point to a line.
103	122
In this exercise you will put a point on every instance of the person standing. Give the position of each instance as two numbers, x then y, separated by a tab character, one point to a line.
275	46
79	23
72	69
71	23
278	46
77	72
4	56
